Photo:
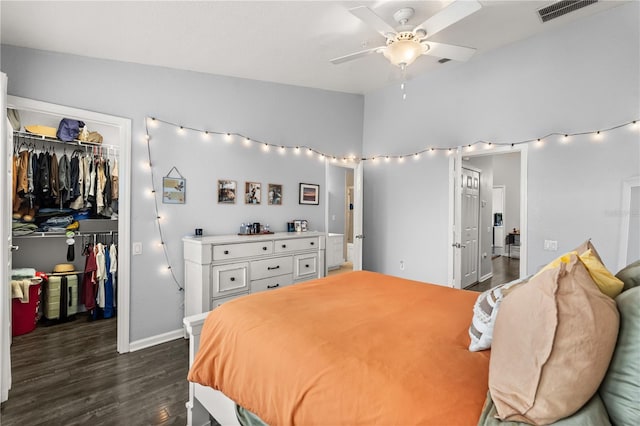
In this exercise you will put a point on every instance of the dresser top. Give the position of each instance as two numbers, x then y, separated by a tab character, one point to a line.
226	239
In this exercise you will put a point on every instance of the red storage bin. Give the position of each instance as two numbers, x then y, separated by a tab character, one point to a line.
24	316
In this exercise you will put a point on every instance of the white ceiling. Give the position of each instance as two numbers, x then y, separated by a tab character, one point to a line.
288	42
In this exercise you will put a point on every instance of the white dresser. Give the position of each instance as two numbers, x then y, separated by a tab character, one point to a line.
220	268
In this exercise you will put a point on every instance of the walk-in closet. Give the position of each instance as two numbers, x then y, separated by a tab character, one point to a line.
69	195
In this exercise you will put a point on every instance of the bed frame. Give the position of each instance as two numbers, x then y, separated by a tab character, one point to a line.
205	402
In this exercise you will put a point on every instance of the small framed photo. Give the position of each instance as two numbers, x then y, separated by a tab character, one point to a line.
173	190
226	191
252	193
309	194
275	194
297	225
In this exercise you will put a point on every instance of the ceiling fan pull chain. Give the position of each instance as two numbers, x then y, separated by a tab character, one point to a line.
403	68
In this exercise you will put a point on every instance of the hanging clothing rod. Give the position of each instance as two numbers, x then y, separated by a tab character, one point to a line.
63	234
41	138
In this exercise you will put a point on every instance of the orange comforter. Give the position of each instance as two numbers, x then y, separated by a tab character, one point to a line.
358	348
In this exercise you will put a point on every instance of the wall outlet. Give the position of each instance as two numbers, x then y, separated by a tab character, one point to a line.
551	245
484	255
402	265
137	249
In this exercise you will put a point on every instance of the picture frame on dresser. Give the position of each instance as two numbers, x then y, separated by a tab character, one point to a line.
226	191
309	194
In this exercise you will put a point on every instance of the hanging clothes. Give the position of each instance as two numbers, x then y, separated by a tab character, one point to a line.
101	274
108	285
113	269
54	176
89	284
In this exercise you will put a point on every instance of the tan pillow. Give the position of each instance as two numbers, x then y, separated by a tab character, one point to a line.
552	343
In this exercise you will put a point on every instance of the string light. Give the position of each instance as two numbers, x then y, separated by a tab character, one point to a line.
448	150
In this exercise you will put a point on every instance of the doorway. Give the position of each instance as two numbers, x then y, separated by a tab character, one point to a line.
343	217
514	215
119	129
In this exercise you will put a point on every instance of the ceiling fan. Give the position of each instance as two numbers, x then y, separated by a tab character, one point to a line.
407	43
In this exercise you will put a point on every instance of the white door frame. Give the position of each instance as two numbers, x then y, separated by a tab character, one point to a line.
124	205
357	207
455	196
6	171
626	219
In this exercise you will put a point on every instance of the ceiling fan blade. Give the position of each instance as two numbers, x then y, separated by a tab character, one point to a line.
451	14
355	55
367	16
450	51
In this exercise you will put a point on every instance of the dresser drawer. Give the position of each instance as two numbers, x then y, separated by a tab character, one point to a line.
240	250
229	279
296	244
217	302
305	266
271	283
271	267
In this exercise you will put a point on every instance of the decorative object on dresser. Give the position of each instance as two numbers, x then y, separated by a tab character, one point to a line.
222	268
309	194
252	192
226	191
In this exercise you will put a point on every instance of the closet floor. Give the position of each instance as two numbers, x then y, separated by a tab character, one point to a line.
71	374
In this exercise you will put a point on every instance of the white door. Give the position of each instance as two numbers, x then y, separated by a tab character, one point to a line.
357	210
470	223
6	171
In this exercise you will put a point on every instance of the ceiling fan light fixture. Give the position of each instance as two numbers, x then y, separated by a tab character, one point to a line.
403	52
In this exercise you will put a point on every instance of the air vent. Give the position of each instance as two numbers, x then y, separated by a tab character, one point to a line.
444	60
562	8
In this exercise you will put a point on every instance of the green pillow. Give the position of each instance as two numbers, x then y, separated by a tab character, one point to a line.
620	389
592	413
630	275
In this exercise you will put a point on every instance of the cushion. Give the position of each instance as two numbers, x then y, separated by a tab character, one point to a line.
620	388
552	343
630	275
485	311
606	281
593	413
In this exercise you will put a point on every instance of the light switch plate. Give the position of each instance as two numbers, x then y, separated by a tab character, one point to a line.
137	249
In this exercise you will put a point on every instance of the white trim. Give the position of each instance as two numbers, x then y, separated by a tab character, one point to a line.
124	205
485	277
6	170
147	342
625	212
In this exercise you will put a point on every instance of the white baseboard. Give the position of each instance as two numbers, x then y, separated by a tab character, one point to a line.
486	277
156	340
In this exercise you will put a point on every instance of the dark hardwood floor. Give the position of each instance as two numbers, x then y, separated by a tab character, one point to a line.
71	374
504	270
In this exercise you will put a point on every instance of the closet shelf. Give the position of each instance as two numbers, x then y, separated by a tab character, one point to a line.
41	138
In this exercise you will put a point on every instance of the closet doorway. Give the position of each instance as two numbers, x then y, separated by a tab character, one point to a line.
117	143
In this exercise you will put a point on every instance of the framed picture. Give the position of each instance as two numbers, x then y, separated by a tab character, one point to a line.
252	193
275	194
297	225
309	194
173	190
226	191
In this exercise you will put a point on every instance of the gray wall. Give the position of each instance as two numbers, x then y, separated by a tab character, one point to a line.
336	181
583	76
506	172
327	121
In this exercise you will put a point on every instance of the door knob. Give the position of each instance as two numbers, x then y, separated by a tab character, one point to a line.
458	245
15	248
360	236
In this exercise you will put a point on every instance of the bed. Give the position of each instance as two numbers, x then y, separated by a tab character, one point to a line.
313	353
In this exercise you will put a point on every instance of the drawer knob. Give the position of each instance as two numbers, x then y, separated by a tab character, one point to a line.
271	268
284	246
312	242
273	286
264	248
232	278
226	252
306	266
